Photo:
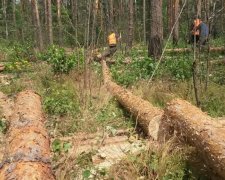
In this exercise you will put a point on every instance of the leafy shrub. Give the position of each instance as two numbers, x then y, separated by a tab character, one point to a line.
60	100
180	69
17	66
58	146
18	58
60	62
21	51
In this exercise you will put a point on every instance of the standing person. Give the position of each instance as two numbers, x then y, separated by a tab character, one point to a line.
203	33
113	39
194	30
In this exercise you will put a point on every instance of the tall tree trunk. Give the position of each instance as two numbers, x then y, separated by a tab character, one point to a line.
156	30
74	7
59	21
37	24
14	19
93	31
111	15
176	8
23	18
170	15
4	7
49	15
144	20
199	8
131	25
46	16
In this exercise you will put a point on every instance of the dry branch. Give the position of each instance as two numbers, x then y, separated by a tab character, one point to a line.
148	116
27	154
200	131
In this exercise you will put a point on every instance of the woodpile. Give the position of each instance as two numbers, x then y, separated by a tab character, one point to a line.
27	153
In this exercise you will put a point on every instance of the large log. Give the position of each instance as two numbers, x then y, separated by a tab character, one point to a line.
199	130
147	116
6	106
182	50
27	154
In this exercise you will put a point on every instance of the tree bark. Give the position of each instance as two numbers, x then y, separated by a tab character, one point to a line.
14	19
74	6
59	21
27	153
199	8
144	21
49	16
156	30
170	15
176	8
200	131
93	29
111	15
148	117
4	7
37	24
131	25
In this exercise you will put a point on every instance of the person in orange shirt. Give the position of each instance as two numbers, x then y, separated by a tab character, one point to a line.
113	39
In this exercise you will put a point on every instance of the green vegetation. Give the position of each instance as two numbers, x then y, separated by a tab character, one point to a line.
71	109
3	126
141	67
60	100
60	62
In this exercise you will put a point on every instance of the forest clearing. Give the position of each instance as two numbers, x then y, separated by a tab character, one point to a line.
112	89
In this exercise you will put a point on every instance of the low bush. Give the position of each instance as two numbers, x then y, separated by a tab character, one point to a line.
60	100
60	61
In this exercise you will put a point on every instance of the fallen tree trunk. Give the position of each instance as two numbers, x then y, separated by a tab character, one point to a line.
2	67
182	50
6	106
200	131
27	154
148	117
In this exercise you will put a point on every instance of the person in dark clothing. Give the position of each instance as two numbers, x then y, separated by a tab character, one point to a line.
203	33
194	31
199	31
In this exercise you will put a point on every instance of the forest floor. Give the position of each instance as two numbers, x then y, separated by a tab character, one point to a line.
90	131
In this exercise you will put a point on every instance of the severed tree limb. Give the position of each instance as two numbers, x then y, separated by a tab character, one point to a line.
27	154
